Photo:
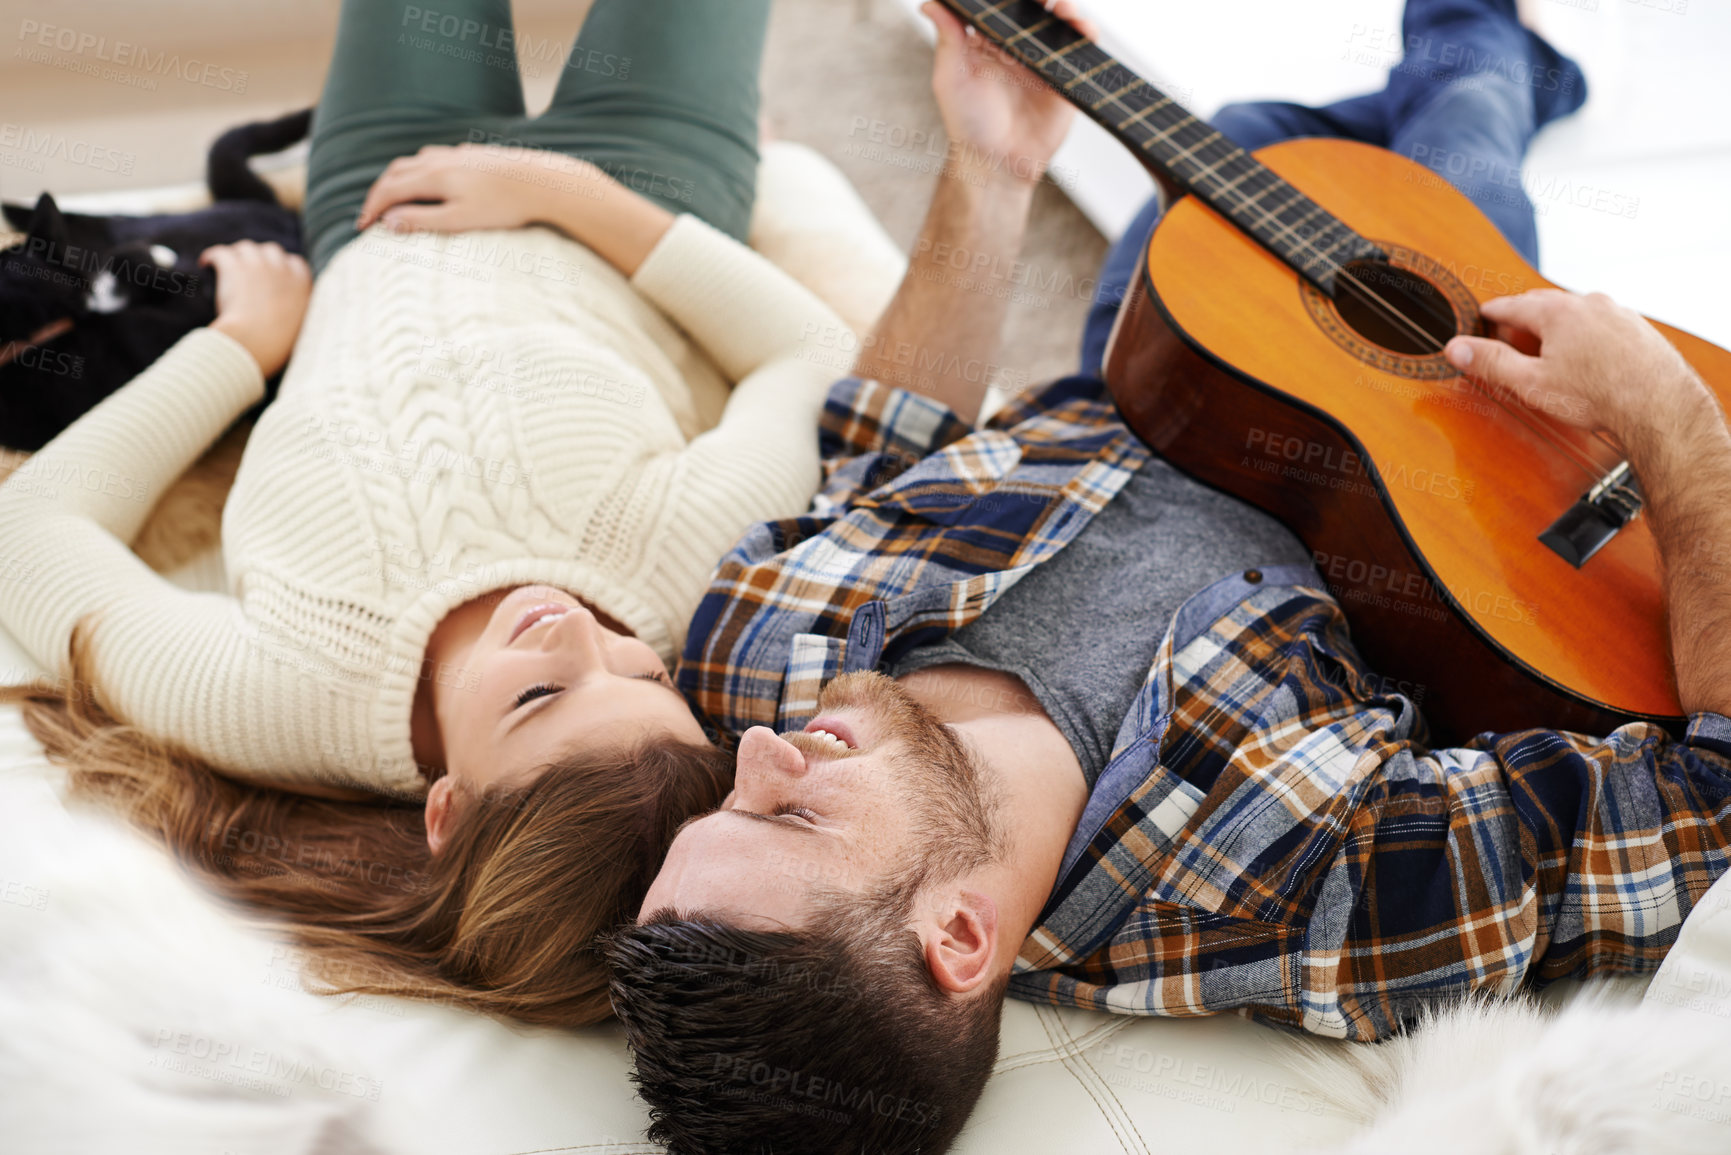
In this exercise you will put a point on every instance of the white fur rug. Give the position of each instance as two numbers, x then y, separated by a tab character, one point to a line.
137	1016
1605	1076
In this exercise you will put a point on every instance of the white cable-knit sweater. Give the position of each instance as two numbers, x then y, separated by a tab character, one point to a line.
463	414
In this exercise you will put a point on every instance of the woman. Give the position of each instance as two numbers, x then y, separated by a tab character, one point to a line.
464	541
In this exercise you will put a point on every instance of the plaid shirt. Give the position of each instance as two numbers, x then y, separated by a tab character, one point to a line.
1271	834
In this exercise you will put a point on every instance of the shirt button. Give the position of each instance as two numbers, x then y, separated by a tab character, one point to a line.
1253	576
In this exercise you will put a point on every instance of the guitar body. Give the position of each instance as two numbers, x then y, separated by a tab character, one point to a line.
1421	497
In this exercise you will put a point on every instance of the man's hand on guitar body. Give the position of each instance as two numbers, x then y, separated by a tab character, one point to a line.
1603	367
1004	126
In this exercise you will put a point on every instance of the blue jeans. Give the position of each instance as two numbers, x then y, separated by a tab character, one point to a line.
1473	88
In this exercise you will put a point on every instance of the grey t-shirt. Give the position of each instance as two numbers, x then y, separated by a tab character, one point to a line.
1082	629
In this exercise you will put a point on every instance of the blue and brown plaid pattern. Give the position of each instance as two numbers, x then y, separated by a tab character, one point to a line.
1272	835
922	522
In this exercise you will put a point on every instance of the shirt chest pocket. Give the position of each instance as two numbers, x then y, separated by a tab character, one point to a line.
963	484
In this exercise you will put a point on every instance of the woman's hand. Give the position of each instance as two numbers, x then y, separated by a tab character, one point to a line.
261	299
1003	121
461	188
474	186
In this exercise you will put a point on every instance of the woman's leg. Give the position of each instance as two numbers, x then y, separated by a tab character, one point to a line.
663	95
403	76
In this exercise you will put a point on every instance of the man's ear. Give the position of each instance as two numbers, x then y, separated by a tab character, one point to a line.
439	799
961	941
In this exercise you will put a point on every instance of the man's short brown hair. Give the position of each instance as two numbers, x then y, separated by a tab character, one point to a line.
826	1040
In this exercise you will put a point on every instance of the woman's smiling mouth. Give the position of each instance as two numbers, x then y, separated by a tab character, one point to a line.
546	611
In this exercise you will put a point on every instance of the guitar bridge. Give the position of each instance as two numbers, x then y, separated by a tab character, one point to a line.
1596	518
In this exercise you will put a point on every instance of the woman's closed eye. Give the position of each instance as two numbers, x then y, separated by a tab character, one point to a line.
533	692
799	812
543	689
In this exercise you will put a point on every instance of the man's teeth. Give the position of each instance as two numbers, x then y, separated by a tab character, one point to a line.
837	743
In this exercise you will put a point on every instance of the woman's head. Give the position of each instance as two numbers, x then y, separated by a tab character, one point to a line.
545	680
499	920
531	874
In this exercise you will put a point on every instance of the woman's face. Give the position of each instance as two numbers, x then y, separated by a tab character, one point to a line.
544	680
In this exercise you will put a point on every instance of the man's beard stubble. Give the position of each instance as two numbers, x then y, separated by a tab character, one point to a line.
948	793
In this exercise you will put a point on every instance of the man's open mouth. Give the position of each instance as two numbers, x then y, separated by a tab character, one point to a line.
834	731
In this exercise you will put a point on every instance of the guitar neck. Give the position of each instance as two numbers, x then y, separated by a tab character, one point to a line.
1185	150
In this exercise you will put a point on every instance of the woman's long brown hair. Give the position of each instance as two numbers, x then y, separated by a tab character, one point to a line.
501	921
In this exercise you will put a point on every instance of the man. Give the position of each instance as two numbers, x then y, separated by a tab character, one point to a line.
1023	710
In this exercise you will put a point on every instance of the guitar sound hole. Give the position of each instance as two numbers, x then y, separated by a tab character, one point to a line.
1393	308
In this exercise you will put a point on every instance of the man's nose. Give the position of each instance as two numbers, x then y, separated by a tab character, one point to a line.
764	760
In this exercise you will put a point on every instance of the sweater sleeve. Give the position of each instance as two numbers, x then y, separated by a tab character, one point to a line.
747	314
68	516
182	666
784	346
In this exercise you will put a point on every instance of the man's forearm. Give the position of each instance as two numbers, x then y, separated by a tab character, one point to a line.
1684	466
942	333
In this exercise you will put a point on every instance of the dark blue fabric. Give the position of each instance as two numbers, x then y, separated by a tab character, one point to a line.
1472	88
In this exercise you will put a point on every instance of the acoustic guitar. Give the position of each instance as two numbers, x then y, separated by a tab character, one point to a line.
1283	342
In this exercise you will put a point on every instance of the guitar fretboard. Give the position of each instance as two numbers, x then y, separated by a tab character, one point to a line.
1190	153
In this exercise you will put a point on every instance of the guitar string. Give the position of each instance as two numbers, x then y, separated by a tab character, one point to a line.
1520	412
1052	54
1209	169
1541	430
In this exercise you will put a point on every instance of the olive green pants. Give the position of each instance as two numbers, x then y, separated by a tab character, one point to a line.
661	94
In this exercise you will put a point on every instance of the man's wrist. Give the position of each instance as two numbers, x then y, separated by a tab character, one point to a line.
992	200
1674	409
993	176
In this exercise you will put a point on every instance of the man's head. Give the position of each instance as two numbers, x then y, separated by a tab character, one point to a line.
818	965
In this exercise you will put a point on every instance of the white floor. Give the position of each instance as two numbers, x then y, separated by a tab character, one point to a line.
1633	192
